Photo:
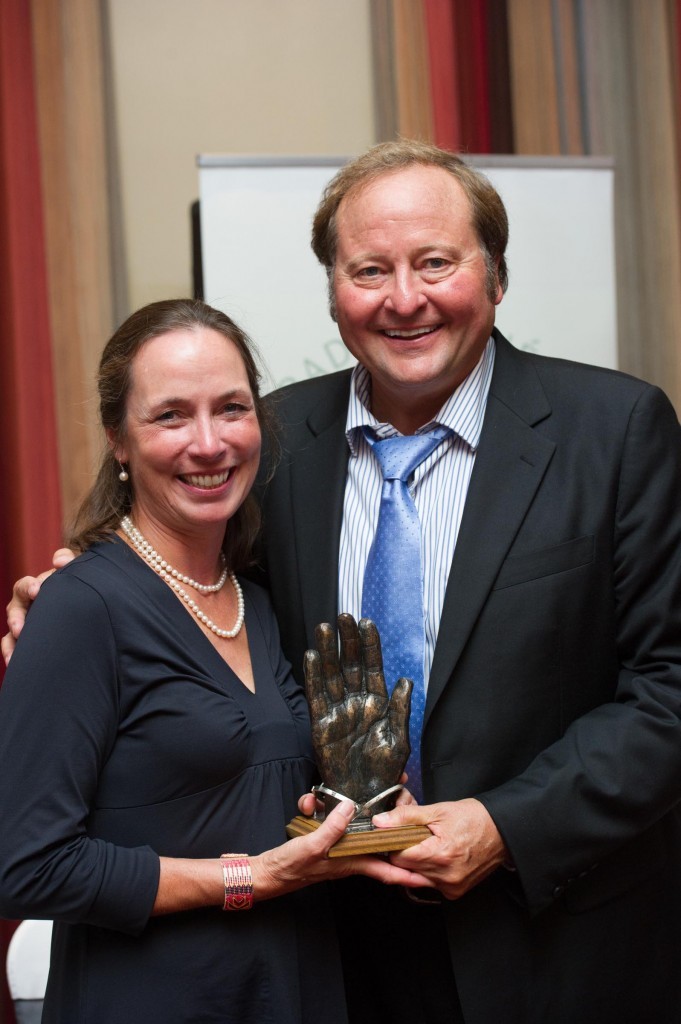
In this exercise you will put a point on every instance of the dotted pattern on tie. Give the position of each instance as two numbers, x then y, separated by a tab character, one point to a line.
393	581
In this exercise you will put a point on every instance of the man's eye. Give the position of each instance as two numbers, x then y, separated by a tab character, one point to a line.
436	262
369	272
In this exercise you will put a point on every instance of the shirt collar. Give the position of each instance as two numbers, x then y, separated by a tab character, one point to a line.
463	412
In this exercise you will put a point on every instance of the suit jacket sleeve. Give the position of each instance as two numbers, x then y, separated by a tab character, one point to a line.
616	771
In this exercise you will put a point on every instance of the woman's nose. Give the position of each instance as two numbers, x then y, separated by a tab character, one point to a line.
206	441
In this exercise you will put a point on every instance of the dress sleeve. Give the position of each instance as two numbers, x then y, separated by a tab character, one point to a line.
58	722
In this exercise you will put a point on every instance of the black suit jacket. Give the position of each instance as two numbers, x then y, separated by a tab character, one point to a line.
555	691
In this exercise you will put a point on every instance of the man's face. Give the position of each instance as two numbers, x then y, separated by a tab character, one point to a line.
411	290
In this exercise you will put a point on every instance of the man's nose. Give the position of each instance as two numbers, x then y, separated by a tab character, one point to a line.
406	295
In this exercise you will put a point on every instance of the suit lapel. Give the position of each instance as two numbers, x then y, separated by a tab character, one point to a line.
509	466
318	478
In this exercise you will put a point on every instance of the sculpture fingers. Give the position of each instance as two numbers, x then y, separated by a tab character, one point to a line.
350	652
372	658
332	678
399	708
314	685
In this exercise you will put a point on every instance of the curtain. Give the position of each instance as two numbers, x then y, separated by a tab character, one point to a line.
79	187
57	285
61	259
30	510
561	77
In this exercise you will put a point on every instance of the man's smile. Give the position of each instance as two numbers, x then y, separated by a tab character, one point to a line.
414	332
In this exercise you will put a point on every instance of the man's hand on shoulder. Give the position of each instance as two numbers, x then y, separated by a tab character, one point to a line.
24	593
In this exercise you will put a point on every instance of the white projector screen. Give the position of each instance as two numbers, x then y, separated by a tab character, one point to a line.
256	216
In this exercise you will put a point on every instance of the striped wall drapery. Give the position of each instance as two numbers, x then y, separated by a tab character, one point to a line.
65	112
74	125
559	77
55	279
30	509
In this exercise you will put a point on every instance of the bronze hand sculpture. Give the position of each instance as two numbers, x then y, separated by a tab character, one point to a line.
360	735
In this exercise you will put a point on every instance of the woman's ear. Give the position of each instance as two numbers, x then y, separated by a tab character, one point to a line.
118	450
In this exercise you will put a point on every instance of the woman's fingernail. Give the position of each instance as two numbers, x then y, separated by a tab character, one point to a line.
347	809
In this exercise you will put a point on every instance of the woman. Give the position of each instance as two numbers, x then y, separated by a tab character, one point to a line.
149	723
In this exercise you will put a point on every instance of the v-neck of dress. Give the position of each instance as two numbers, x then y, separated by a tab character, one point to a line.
186	624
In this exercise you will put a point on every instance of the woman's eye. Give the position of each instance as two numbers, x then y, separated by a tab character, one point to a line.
167	417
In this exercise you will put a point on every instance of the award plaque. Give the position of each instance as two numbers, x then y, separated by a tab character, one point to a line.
360	737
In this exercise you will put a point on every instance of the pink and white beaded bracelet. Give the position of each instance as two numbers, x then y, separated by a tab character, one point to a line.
236	873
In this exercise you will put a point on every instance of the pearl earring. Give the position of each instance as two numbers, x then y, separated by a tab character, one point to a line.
123	475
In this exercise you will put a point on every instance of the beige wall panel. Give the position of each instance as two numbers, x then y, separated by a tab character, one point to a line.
224	76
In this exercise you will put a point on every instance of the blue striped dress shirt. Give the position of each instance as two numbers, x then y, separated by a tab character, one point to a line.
438	486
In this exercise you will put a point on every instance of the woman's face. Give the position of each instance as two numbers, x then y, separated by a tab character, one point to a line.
192	438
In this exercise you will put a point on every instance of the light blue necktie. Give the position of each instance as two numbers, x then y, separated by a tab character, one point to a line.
393	580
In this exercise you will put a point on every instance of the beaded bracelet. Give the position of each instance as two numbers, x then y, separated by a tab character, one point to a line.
236	873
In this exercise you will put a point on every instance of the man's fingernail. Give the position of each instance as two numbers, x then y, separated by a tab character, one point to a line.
381	819
347	809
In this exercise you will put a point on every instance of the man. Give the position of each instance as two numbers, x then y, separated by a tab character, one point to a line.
551	744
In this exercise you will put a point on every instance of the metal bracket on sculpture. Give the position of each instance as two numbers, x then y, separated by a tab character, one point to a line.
361	836
361	819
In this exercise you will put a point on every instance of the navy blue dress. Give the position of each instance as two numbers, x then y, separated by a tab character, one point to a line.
125	736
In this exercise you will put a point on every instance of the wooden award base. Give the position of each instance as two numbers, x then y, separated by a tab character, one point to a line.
377	840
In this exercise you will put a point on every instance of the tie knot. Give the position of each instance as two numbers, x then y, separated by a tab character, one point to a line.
399	456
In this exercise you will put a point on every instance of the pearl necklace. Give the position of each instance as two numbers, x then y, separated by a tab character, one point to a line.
158	563
172	578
